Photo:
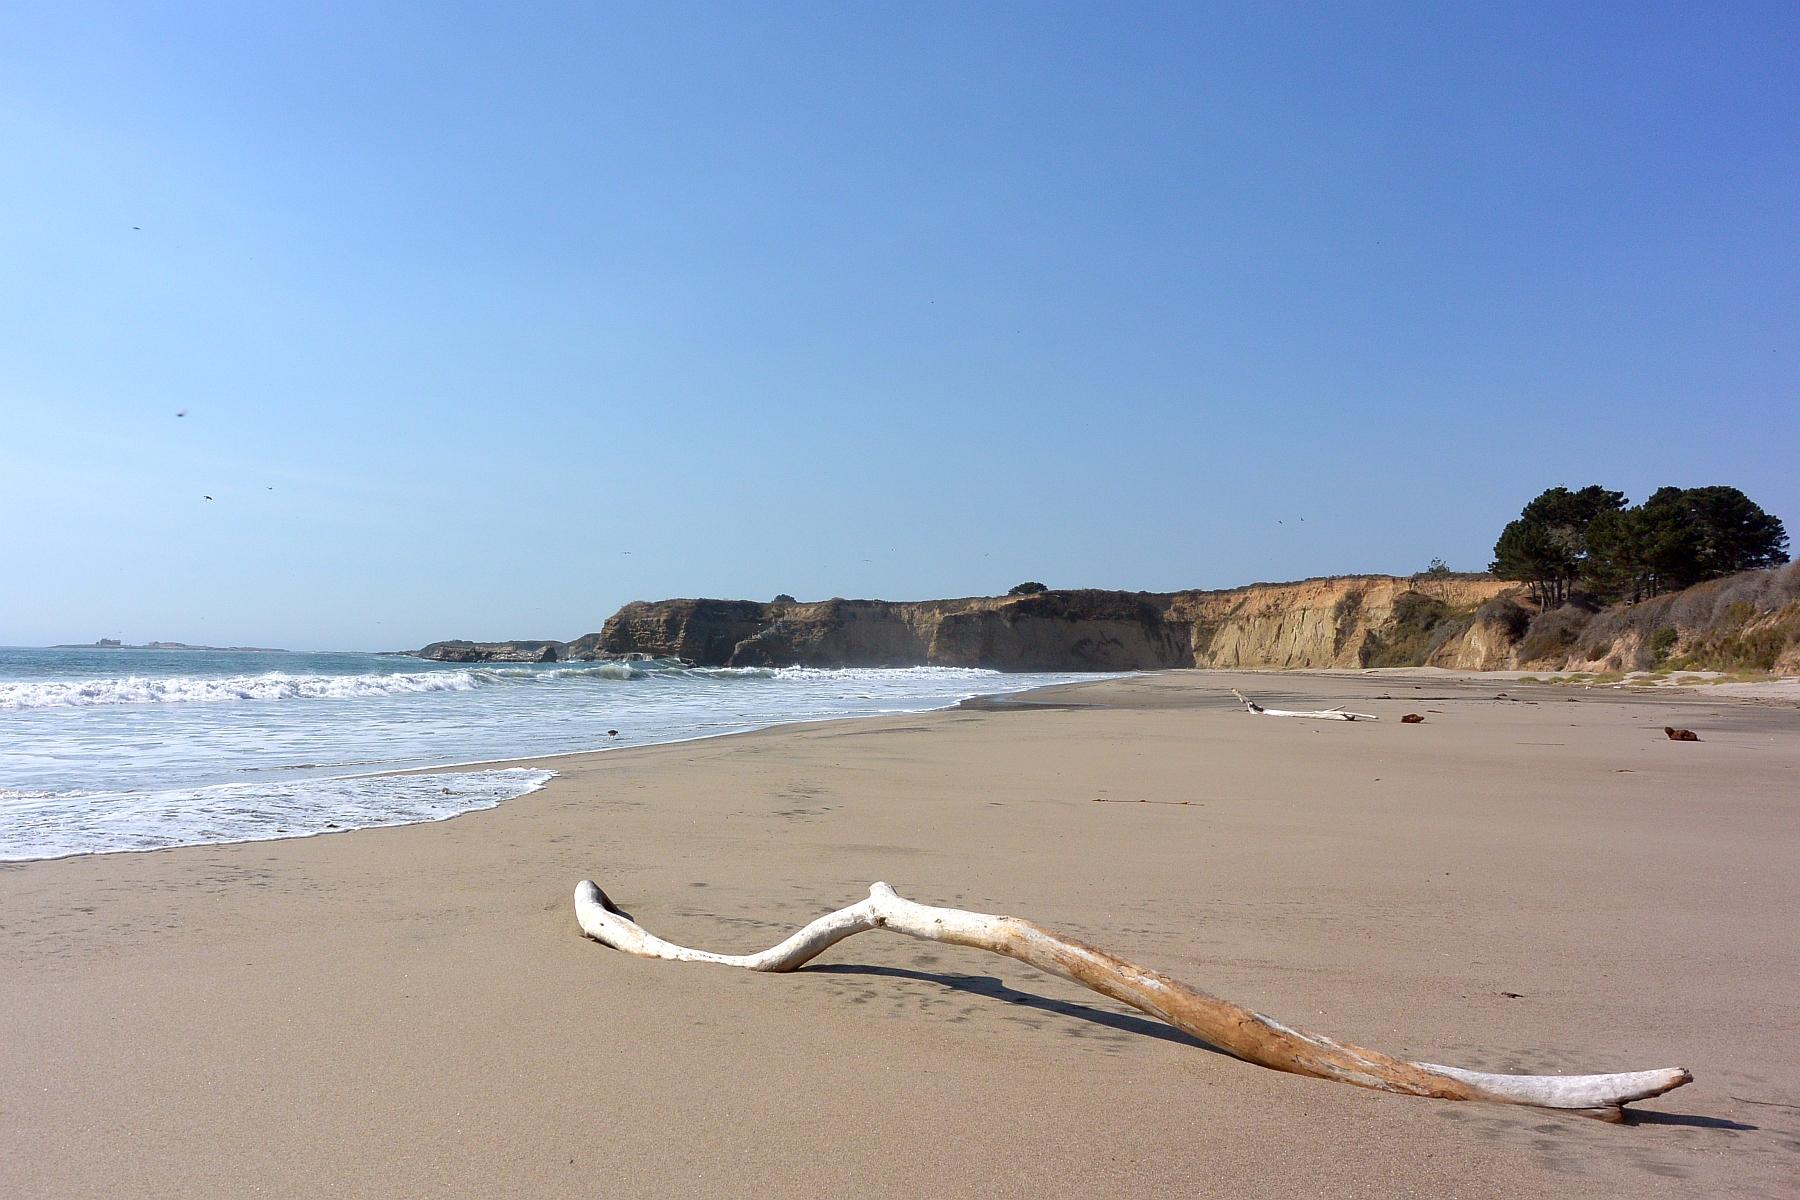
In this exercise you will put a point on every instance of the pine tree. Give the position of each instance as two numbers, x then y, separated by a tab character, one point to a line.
1547	546
1677	538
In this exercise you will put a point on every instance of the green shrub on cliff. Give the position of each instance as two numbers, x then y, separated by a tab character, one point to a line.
1758	648
1551	635
1748	621
1507	613
1420	626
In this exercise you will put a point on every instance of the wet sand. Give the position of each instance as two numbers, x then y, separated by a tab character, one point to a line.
412	1012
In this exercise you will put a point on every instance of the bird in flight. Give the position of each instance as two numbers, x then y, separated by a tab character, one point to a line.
181	412
209	497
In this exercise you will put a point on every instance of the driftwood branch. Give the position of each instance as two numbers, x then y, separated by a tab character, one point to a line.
1323	714
1248	1035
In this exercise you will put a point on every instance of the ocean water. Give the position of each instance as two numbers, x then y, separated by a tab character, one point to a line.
112	750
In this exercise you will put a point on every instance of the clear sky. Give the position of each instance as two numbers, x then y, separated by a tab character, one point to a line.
488	319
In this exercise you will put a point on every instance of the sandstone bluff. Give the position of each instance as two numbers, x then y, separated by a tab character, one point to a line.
1744	622
1376	620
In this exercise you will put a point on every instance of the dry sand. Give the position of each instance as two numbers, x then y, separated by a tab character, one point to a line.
411	1012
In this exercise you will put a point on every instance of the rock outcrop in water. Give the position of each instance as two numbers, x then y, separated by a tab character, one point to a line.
460	651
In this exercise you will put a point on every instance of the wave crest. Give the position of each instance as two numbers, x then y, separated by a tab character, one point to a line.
192	689
277	685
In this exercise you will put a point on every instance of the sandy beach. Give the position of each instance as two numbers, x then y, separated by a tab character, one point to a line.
1534	881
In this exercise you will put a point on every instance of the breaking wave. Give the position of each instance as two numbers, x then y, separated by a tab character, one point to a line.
200	689
278	685
138	750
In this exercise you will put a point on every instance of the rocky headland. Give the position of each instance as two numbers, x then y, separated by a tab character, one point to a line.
1335	622
1749	621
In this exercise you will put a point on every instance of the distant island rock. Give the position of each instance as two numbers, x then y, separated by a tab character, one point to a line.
116	644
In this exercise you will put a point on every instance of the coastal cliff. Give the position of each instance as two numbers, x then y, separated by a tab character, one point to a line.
1746	622
1065	631
1346	622
1749	621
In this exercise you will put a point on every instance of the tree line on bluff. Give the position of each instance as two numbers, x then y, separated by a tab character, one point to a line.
1591	541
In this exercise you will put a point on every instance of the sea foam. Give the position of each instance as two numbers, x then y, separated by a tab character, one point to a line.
140	749
191	689
55	824
279	685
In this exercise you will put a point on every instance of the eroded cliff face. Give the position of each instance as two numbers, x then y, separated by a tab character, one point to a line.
1491	641
1464	622
1744	622
1356	621
701	631
1062	631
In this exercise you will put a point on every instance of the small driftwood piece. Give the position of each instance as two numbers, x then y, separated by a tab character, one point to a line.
1324	714
1248	1035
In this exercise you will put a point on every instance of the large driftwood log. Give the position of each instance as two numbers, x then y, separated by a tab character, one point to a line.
1248	1035
1323	714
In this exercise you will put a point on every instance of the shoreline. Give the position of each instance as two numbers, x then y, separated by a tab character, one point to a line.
704	737
1784	692
1490	889
516	761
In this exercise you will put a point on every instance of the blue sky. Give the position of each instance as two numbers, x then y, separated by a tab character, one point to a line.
489	319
